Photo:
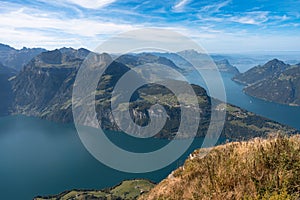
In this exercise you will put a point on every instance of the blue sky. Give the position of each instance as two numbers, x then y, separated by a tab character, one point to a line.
218	26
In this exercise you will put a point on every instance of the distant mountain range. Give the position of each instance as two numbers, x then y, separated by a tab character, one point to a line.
188	59
43	88
274	81
16	59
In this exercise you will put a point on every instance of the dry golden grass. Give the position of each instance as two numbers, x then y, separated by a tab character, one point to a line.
257	169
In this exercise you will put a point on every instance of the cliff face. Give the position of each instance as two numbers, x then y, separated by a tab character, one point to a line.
275	81
43	87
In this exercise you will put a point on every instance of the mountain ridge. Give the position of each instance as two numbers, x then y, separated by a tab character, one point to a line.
275	81
188	58
44	89
17	58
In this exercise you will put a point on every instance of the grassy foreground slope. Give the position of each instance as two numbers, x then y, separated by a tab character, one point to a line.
257	169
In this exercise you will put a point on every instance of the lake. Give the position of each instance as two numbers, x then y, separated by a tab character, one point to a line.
289	115
39	157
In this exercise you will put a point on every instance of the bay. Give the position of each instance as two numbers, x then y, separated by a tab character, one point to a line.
288	115
39	157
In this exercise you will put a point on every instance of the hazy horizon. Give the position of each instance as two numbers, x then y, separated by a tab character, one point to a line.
250	53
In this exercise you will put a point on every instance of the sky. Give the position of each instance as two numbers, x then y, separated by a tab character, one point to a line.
218	26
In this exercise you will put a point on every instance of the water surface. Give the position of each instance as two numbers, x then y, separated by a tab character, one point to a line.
289	115
39	157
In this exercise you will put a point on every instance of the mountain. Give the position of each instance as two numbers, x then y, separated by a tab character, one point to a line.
258	73
155	65
188	58
44	89
16	59
43	82
248	60
195	58
257	169
275	81
143	58
224	66
176	58
6	91
283	88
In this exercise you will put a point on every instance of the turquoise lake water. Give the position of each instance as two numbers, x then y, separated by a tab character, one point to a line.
289	115
39	157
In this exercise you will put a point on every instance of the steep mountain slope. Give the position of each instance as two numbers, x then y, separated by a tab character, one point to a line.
258	169
16	59
5	91
43	78
275	81
283	88
224	66
259	73
44	89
